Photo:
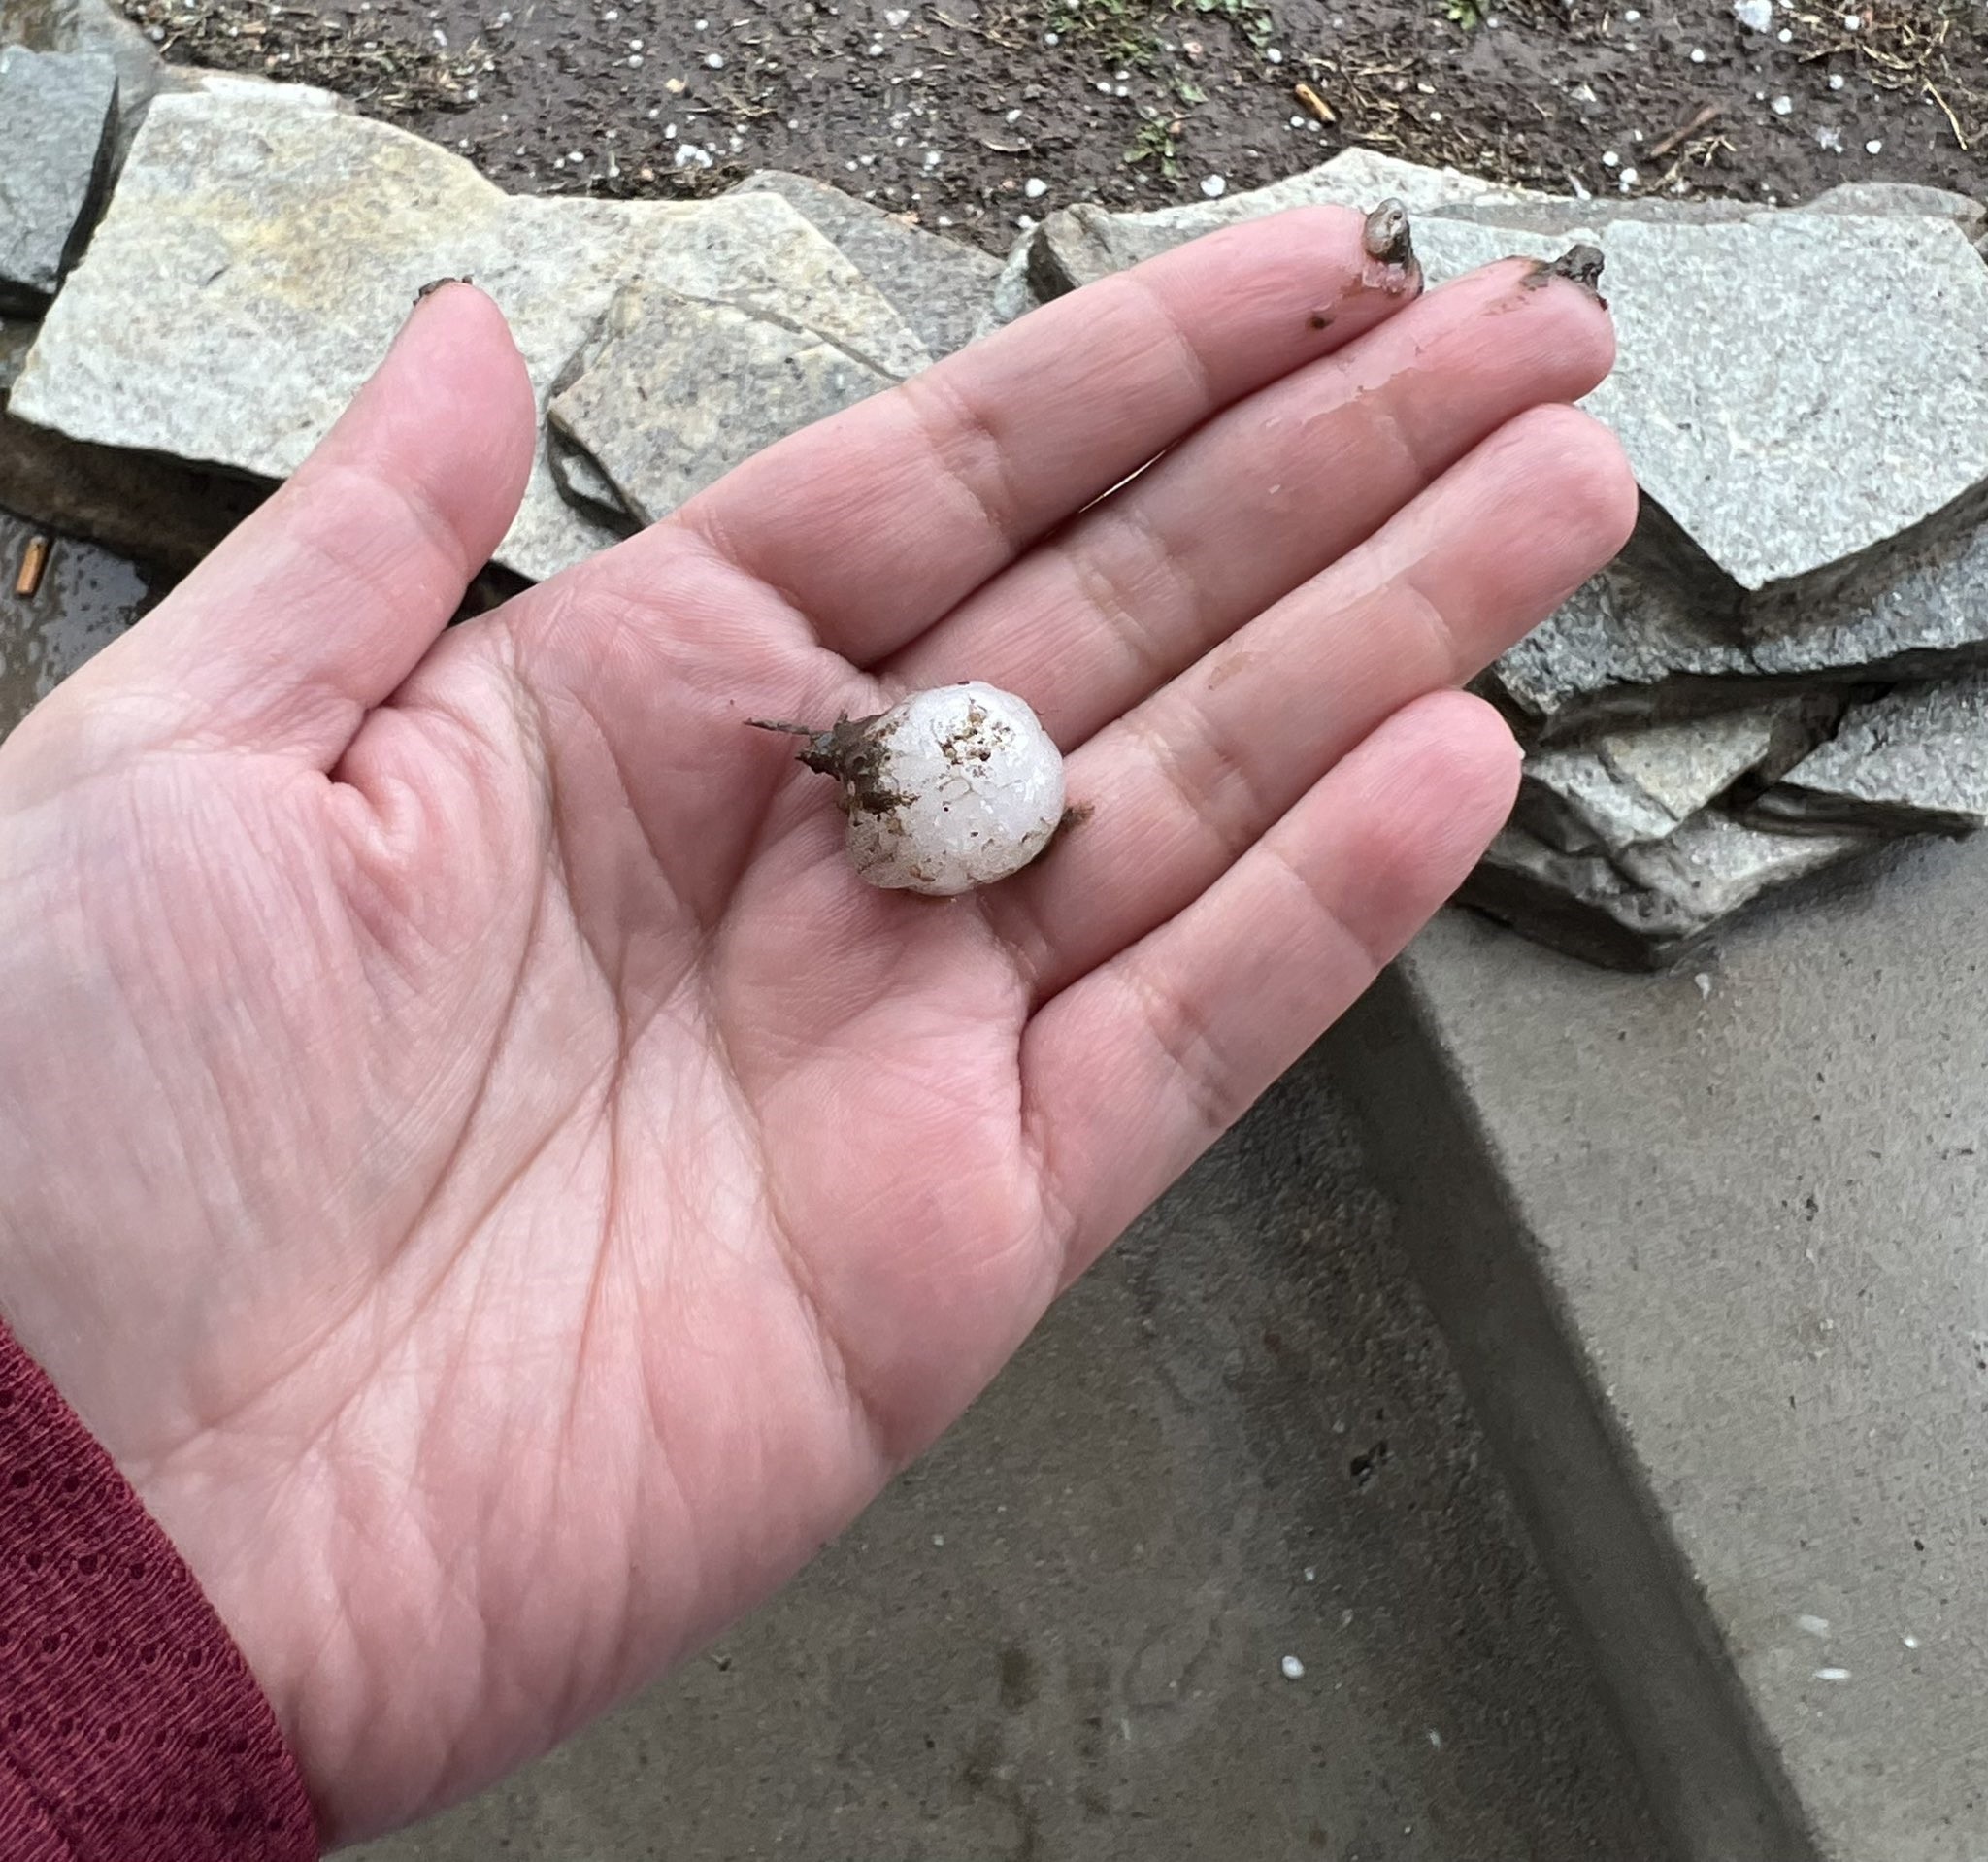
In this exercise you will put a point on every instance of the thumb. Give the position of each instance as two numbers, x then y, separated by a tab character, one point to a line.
319	605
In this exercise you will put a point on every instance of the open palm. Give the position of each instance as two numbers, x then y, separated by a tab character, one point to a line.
473	1152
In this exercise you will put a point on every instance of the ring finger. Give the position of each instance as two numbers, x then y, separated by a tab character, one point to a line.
1181	785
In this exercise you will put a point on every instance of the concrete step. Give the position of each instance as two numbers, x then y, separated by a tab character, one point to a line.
1712	1254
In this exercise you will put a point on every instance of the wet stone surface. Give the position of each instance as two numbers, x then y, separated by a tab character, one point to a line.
940	286
1915	761
676	392
97	29
1620	650
1631	787
86	599
1758	410
1658	906
258	259
56	122
1629	649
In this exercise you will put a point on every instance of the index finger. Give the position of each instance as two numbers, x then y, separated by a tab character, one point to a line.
877	521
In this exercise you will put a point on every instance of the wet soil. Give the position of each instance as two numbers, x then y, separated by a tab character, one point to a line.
981	118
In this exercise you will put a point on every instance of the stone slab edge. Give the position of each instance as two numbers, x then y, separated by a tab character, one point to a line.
1713	1779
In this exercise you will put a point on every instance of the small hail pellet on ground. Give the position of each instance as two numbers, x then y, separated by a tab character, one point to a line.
948	789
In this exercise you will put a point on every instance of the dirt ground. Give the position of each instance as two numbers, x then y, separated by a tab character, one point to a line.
978	117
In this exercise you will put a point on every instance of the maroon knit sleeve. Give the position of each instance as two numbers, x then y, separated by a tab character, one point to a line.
131	1729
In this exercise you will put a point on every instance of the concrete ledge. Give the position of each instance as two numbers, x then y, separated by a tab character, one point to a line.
1712	1256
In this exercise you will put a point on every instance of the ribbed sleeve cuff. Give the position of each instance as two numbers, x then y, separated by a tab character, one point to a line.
131	1729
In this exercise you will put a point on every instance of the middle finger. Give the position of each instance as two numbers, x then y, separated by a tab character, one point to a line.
1186	784
1262	498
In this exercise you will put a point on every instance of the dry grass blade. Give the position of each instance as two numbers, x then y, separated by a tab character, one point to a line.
1919	47
380	72
1664	144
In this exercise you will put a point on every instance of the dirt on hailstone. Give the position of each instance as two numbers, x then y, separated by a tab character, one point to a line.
979	118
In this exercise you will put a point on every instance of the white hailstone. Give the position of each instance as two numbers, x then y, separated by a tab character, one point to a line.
1782	106
1035	187
1214	186
1292	1668
948	789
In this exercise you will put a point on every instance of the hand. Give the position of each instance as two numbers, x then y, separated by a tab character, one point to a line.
499	1185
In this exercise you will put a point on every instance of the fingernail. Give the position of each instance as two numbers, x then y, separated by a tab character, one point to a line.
433	285
1580	265
1387	236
